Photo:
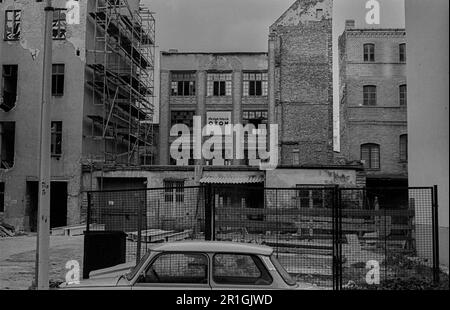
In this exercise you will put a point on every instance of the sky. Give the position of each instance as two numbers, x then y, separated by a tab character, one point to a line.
243	25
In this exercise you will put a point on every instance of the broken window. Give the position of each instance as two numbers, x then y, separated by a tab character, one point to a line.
56	143
219	84
12	24
59	24
255	84
9	87
2	197
369	52
7	141
183	84
58	80
182	117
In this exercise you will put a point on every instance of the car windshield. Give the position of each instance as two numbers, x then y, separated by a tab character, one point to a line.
133	272
284	274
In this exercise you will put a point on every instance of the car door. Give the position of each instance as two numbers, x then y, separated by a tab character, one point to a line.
233	271
175	271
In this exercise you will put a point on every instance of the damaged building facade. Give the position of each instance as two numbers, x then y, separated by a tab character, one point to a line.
102	85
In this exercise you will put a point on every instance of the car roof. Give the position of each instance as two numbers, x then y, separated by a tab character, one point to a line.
213	247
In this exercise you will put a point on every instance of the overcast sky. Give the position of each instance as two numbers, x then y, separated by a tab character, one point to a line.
243	25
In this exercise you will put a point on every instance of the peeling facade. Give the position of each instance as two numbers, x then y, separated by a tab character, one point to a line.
72	108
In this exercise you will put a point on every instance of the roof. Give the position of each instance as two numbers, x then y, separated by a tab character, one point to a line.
251	179
214	247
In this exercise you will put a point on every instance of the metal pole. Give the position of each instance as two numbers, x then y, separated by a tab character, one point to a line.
43	240
435	221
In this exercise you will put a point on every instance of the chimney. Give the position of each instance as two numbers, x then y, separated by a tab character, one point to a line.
349	24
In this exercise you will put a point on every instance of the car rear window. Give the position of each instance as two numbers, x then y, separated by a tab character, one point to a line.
240	269
284	274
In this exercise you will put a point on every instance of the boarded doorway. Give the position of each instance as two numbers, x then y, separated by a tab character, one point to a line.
58	204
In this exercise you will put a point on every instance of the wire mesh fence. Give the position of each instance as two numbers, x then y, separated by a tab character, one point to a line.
330	237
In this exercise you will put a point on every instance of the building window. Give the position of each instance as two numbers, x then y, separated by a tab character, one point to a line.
369	52
404	148
183	84
182	117
12	24
370	95
2	197
319	13
255	84
219	84
370	155
7	152
314	196
174	191
254	117
58	80
9	87
296	157
402	52
59	24
56	143
403	95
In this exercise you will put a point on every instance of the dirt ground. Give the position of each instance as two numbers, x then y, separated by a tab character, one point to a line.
18	255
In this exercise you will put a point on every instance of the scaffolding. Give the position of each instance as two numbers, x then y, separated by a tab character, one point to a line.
121	68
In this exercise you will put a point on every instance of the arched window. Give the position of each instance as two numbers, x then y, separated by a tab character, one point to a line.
404	148
370	154
403	95
370	95
369	52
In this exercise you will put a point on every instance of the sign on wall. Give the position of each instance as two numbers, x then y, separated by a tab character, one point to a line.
218	118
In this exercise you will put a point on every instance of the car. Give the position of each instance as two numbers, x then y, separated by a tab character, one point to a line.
195	265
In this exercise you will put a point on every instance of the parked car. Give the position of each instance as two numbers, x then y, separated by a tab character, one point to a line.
192	265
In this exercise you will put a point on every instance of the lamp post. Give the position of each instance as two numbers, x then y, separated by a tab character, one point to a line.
43	239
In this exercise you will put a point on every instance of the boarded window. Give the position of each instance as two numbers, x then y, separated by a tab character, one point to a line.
56	143
370	154
369	52
9	87
12	24
370	95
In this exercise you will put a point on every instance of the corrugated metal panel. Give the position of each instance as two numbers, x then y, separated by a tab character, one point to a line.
233	180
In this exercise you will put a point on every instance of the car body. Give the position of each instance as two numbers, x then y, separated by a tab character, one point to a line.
195	265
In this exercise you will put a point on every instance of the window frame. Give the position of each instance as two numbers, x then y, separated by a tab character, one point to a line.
403	148
57	23
14	22
255	77
258	265
174	193
402	52
219	84
368	166
2	83
368	101
369	52
153	260
183	78
403	102
55	78
57	134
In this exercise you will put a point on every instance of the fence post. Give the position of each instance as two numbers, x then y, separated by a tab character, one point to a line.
139	232
435	221
88	215
209	212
